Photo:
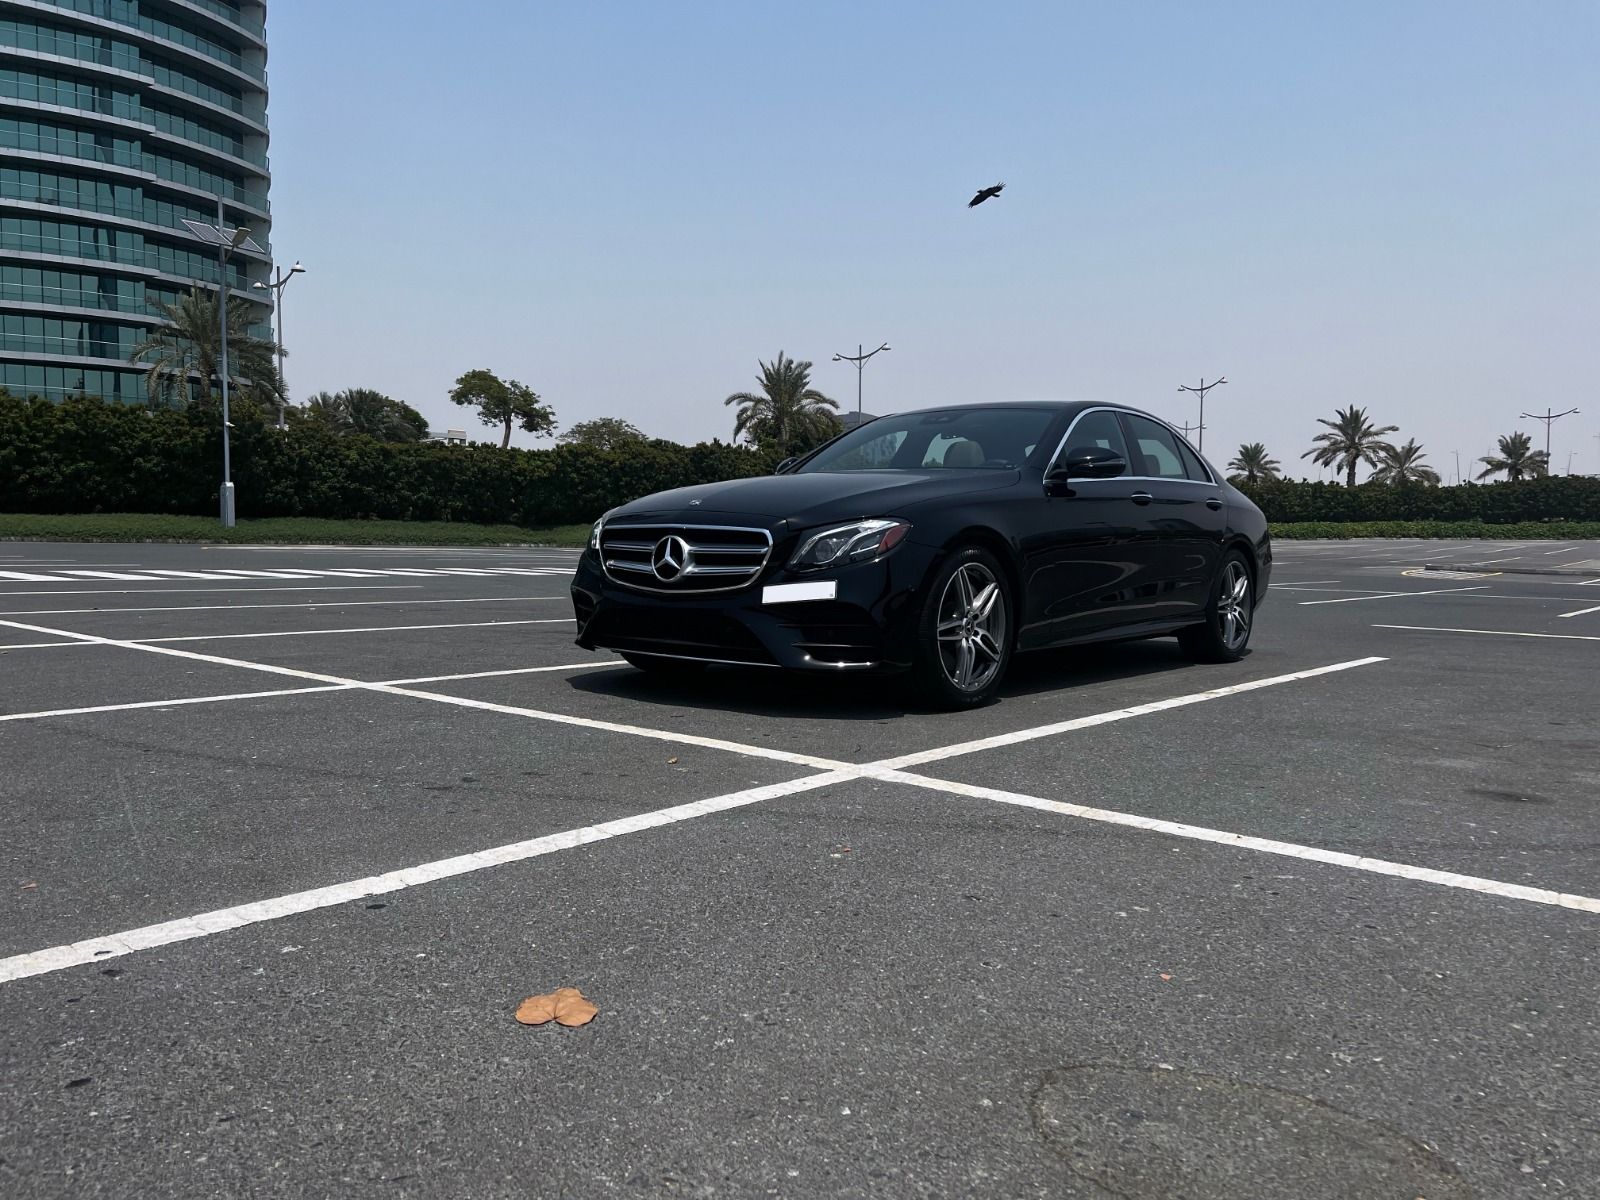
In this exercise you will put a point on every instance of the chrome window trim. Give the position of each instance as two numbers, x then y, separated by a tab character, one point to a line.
682	529
1062	445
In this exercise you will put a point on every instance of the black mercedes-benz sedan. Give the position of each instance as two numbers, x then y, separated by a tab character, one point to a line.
937	543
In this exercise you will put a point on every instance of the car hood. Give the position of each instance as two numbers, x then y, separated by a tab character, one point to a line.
798	501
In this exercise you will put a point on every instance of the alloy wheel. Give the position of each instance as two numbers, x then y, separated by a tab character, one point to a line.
971	627
1233	605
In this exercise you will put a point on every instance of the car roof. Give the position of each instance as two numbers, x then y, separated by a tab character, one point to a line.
1057	406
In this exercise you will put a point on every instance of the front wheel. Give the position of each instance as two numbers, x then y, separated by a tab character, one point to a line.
964	634
1230	616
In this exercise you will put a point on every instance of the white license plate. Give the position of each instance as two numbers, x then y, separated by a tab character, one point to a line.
789	593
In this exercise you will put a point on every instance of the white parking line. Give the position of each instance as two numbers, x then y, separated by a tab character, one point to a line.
1122	714
1582	611
69	612
807	760
334	587
1393	595
93	950
331	687
98	949
281	633
1566	637
1221	837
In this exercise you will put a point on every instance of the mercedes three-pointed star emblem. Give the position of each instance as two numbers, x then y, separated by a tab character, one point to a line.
670	558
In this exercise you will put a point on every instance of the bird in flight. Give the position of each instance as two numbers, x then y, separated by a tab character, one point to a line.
988	193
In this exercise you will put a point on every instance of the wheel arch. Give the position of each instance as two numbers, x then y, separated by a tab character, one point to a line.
1004	552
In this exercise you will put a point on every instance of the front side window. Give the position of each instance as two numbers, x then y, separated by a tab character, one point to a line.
1096	431
979	438
1155	450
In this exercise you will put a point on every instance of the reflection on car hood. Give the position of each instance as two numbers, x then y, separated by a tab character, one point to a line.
804	500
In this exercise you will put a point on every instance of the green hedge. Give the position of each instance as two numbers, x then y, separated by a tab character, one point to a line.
85	456
1557	498
1516	531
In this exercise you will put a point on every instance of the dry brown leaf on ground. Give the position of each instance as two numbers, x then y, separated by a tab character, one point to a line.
565	1006
672	761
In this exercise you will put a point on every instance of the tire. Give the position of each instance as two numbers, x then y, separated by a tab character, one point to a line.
1224	635
961	653
655	664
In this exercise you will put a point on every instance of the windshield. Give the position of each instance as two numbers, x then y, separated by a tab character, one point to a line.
962	439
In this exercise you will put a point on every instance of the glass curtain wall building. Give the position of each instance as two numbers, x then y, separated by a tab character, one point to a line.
118	119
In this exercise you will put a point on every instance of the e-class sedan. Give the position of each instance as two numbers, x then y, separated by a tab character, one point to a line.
937	543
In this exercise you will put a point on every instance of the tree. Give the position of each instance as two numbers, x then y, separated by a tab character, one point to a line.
1517	458
187	348
1403	464
1351	439
604	433
504	403
365	411
788	415
1253	465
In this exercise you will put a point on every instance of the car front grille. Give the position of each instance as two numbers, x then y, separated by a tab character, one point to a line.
684	559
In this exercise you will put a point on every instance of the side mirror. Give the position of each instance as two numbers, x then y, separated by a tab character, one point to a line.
1084	462
784	467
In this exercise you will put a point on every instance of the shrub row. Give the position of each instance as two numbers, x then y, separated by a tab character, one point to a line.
84	456
1559	497
1517	531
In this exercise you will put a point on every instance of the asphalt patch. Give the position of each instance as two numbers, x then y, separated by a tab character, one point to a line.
1178	1134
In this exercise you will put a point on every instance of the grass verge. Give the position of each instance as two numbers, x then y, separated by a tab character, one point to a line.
1564	531
147	527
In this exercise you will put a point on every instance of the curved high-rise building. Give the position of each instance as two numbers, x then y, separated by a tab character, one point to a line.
118	119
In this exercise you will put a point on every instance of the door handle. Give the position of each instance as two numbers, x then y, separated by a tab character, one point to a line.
1141	497
1213	503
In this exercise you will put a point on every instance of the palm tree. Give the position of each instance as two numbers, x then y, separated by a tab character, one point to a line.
787	414
187	348
369	412
1517	458
1351	439
1253	465
1403	464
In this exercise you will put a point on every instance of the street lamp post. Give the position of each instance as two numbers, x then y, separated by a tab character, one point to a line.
1549	418
1190	430
226	241
276	286
860	361
1201	392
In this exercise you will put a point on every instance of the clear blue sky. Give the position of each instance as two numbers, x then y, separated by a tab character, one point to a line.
625	205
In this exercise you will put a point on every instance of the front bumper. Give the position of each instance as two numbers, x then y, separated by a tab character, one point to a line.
868	626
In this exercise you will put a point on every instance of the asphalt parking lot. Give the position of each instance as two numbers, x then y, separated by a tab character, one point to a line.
289	833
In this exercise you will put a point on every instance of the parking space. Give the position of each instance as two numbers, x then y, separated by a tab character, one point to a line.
261	944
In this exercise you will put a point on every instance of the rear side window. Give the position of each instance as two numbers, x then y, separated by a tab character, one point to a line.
1096	431
1155	450
1192	464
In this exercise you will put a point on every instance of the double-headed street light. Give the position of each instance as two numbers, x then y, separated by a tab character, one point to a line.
1550	416
276	286
860	361
1201	392
226	241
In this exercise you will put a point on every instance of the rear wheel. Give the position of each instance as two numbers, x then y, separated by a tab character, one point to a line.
656	664
964	635
1230	616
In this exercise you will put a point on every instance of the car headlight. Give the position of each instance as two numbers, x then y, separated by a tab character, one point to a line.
594	534
860	541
